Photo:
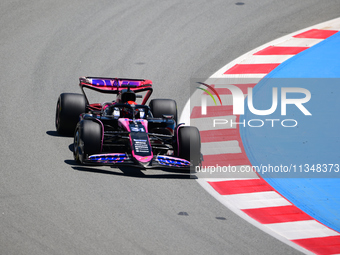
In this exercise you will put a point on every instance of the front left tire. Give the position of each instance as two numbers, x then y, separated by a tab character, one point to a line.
69	107
87	140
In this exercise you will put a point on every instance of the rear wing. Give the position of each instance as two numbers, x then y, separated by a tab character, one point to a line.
115	85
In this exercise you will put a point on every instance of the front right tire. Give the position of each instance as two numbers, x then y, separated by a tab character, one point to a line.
189	144
160	107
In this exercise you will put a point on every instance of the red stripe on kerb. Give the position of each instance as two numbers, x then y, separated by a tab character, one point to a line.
321	245
232	159
251	68
316	34
219	135
225	91
273	50
269	215
212	111
241	186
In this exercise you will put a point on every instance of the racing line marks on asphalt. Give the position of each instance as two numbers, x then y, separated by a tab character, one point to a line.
253	198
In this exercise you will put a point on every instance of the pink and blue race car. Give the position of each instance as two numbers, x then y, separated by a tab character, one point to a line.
122	132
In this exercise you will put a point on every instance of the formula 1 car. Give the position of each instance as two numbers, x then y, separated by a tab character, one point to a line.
122	132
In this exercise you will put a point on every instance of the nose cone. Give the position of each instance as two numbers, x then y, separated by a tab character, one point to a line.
145	161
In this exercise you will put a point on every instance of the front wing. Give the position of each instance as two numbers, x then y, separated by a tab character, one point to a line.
120	159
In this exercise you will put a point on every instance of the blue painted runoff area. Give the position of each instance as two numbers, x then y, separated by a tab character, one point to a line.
299	154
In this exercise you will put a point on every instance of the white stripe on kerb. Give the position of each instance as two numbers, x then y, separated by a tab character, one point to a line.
220	148
299	42
266	59
221	82
256	200
302	229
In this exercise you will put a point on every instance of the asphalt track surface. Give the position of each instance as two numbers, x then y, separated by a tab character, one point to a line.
49	205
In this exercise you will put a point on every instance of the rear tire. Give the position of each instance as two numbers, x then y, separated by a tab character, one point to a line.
189	144
87	140
160	107
69	107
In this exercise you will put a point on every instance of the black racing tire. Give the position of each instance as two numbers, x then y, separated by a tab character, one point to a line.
69	107
160	107
189	144
87	140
